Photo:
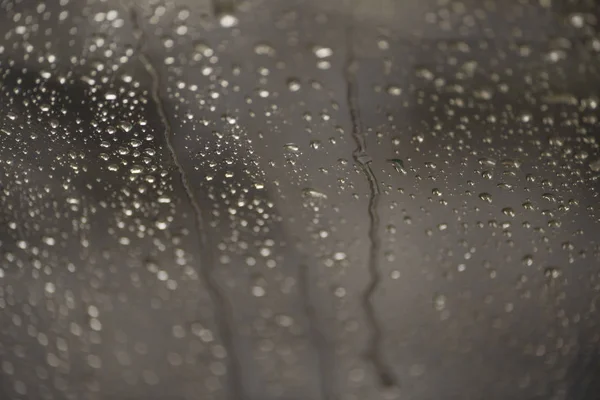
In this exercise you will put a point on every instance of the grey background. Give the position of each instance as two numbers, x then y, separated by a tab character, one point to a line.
176	223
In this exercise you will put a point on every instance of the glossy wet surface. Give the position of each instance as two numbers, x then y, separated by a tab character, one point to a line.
299	200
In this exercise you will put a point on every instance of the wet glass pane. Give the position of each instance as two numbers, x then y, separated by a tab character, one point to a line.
299	199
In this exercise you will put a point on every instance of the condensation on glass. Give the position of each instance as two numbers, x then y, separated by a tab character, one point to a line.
300	199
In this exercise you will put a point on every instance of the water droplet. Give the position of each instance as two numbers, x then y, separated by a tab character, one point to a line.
291	147
228	20
49	240
293	85
552	272
486	197
595	166
137	169
309	192
508	212
162	225
439	302
263	49
528	260
322	52
394	90
398	165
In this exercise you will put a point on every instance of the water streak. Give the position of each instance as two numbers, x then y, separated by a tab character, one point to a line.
223	308
364	161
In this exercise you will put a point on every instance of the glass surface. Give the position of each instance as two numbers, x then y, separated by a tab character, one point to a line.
299	199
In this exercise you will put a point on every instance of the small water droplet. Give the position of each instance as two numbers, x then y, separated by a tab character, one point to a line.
291	147
293	85
322	52
486	197
439	302
137	169
508	212
228	20
394	90
309	192
552	272
49	240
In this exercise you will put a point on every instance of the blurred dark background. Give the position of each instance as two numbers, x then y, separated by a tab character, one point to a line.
291	200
